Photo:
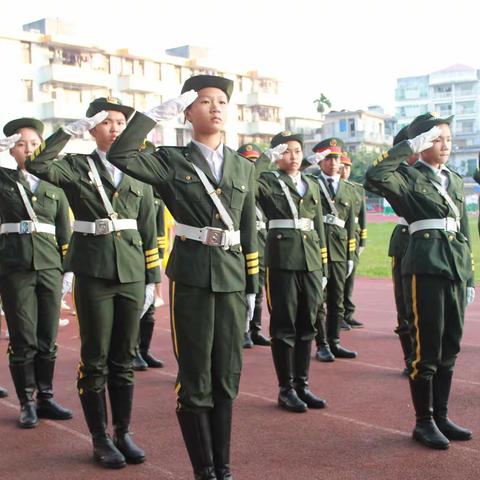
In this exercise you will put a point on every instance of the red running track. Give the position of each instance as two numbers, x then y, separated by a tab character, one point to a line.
363	434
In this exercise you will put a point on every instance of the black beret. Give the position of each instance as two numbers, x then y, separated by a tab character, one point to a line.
198	82
401	135
109	103
423	123
14	125
335	145
286	136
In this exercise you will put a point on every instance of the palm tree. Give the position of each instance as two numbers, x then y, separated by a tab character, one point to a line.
322	103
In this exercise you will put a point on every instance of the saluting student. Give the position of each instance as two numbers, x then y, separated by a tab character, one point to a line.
113	254
209	190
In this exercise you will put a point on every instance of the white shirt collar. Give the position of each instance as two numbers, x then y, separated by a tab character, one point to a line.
335	178
437	171
32	180
114	172
214	158
299	183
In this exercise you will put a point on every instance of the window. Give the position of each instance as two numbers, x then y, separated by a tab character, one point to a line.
158	71
342	126
26	52
465	126
443	108
139	67
27	90
351	126
127	66
465	107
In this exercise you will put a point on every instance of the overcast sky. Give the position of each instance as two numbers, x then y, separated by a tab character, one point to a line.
351	50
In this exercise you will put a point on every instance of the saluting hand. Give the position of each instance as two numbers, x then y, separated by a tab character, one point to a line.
9	142
172	108
424	140
79	127
318	156
276	153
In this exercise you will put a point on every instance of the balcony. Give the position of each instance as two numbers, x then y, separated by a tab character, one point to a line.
62	109
261	98
73	75
132	83
259	128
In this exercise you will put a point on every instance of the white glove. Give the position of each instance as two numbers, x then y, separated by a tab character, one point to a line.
83	125
67	283
470	295
9	142
324	282
360	250
424	140
349	267
276	153
172	108
149	297
250	306
318	156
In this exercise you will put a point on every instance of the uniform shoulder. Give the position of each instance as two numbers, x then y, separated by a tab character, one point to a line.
455	173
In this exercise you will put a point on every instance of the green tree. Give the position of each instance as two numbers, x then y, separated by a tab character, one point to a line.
361	160
323	103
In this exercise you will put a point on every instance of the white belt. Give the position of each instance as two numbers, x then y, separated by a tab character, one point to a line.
448	224
211	236
27	227
104	226
261	225
333	220
304	224
402	221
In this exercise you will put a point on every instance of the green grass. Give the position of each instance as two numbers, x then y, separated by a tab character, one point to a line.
374	261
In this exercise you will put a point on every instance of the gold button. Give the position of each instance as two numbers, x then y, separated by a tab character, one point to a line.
188	177
183	238
218	191
240	249
450	237
423	190
301	201
426	235
279	236
116	194
243	187
217	216
305	237
34	199
404	230
119	235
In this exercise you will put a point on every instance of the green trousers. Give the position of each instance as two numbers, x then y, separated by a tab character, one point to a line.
437	308
348	304
109	317
293	298
31	302
403	323
207	334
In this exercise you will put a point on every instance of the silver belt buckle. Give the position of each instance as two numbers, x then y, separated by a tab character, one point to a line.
304	224
102	226
26	226
214	237
330	219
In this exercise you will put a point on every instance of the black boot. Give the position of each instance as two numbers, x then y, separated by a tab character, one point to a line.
139	364
23	376
105	452
221	426
47	407
256	328
407	347
426	431
247	341
283	360
3	392
324	354
197	436
121	399
442	383
146	333
333	335
303	350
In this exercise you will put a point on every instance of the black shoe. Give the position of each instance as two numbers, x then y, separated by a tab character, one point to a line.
324	354
151	361
132	453
310	399
341	352
427	432
259	339
49	408
452	431
344	325
352	323
247	341
28	415
289	400
139	364
105	453
3	392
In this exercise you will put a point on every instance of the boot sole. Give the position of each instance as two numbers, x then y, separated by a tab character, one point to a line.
27	425
135	461
435	446
293	409
113	466
50	416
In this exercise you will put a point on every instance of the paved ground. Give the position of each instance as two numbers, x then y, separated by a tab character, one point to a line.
364	434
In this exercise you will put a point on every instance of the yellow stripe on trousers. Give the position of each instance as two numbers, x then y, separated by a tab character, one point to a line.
417	329
267	285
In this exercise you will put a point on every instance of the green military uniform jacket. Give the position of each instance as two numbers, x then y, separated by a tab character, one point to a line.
134	252
360	213
37	251
288	248
160	221
170	171
433	252
476	177
341	242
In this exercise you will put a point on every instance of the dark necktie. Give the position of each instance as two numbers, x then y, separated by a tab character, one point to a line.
330	187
